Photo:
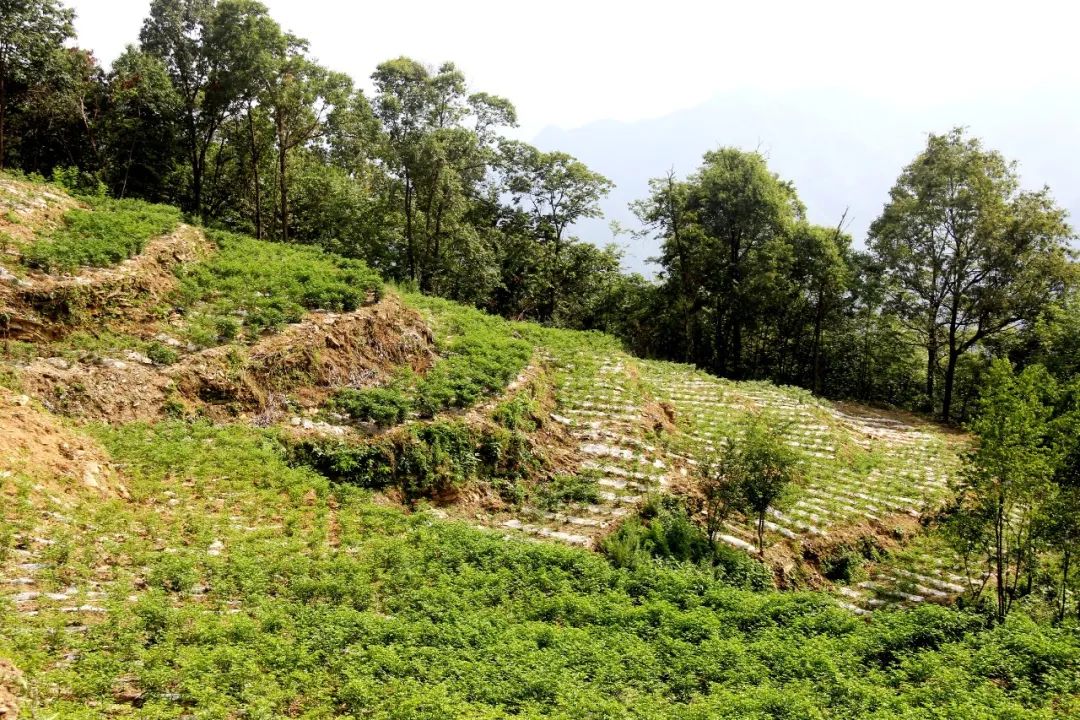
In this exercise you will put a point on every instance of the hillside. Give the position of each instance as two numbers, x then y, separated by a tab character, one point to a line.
248	479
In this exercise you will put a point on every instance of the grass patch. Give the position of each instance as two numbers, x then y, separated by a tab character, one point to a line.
109	233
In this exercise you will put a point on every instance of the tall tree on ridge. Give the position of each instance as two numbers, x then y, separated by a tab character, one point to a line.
968	254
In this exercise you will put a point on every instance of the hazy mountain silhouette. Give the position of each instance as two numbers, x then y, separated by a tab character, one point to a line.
841	150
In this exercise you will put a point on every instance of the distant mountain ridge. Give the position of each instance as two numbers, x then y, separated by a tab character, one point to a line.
840	149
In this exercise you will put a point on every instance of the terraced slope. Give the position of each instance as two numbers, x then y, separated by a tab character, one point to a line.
192	326
640	425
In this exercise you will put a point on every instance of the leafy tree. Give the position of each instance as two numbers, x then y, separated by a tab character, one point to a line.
720	484
741	208
210	68
299	96
1007	478
32	33
820	272
141	132
665	215
722	233
439	145
59	119
559	190
763	471
968	255
257	48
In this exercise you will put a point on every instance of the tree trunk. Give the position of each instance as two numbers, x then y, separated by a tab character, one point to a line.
255	174
1066	556
761	533
196	188
947	389
283	187
3	112
931	366
410	249
999	557
196	165
819	321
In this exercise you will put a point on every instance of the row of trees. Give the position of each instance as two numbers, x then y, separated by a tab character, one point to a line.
959	258
217	109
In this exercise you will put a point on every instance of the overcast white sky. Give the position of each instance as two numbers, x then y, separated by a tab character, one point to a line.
570	62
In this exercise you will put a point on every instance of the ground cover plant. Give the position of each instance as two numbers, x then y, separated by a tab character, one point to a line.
239	584
480	355
107	233
249	286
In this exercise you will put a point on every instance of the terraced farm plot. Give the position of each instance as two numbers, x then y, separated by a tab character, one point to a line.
860	467
601	405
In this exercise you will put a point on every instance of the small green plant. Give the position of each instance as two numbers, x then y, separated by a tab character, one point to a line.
161	353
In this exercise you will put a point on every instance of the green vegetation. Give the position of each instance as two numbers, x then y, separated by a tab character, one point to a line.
482	353
565	490
382	406
110	232
348	609
248	286
103	342
423	460
251	574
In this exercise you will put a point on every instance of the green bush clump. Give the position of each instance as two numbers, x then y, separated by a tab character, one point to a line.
663	530
520	412
422	460
109	233
567	489
382	406
250	285
161	353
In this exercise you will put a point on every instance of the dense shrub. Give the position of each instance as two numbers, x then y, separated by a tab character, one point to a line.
422	459
663	530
